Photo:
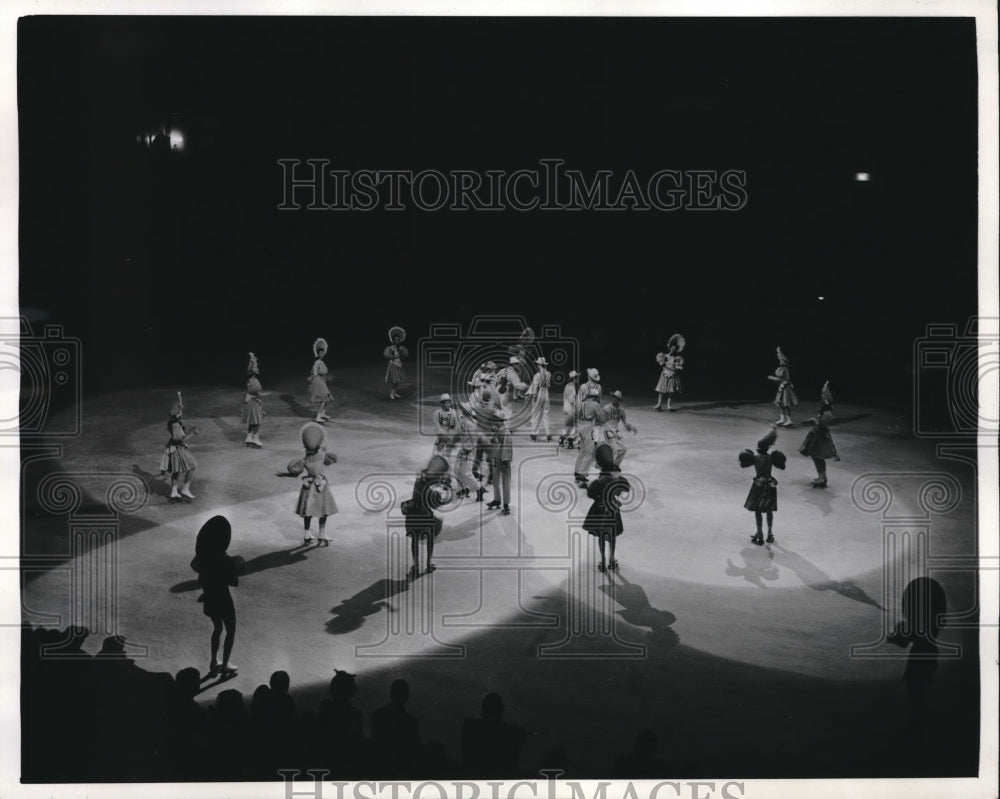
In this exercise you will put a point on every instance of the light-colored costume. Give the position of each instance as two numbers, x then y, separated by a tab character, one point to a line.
315	498
614	419
569	409
590	427
319	391
538	394
446	425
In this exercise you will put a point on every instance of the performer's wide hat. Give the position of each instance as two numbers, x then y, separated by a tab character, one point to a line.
397	332
676	340
313	435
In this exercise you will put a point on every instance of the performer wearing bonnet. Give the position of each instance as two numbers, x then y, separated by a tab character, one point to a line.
394	354
818	443
785	399
217	571
319	391
177	459
763	496
315	498
671	363
430	492
253	406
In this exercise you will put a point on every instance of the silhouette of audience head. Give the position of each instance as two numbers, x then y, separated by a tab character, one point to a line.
188	682
923	604
399	692
113	646
280	682
229	706
343	686
645	744
491	708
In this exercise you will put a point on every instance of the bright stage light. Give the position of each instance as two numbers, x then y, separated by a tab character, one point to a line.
862	177
176	140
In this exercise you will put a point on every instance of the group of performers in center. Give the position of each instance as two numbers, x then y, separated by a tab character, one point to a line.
474	443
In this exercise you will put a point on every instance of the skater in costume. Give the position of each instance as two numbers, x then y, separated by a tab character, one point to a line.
217	571
591	426
509	384
591	387
538	395
315	498
489	419
394	354
319	391
502	453
818	443
468	434
785	399
763	496
177	459
484	377
671	363
253	406
614	415
430	492
446	424
604	519
569	409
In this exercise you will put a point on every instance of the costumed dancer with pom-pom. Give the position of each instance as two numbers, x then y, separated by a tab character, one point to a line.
319	390
818	443
217	571
315	498
785	399
763	496
394	354
177	459
604	519
253	406
671	363
430	492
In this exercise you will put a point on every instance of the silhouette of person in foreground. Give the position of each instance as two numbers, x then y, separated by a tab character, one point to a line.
641	762
490	746
923	603
217	571
396	734
340	726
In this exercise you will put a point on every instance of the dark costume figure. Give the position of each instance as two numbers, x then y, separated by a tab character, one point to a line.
604	519
763	496
217	571
431	490
818	443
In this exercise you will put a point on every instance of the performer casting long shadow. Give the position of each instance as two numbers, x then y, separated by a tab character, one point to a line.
639	612
759	566
817	579
350	613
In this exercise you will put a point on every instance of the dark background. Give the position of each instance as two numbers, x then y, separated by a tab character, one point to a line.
169	266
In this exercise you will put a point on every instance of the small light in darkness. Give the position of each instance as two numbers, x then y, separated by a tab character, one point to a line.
862	177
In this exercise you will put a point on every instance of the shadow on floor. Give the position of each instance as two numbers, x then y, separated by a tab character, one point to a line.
350	613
